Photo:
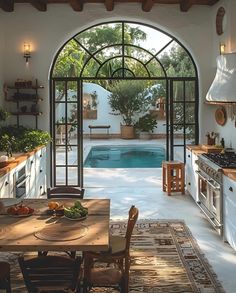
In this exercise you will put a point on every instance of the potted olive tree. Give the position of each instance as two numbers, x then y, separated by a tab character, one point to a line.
128	98
146	124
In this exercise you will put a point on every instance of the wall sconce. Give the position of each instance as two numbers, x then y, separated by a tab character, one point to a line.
27	52
222	48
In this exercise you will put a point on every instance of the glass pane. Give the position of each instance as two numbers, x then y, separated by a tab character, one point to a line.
70	60
91	68
72	156
71	112
137	53
176	61
190	90
190	134
178	113
100	36
72	176
108	53
145	37
72	91
63	134
110	67
60	88
73	133
189	113
178	91
155	69
158	101
60	176
179	153
60	112
136	67
60	156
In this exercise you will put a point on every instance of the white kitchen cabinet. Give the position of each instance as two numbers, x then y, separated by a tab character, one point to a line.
7	185
191	177
31	172
229	206
40	172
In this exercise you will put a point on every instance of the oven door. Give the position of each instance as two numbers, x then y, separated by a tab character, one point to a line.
203	189
215	204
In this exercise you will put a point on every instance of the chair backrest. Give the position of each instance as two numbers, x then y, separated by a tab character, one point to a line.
65	192
133	216
50	273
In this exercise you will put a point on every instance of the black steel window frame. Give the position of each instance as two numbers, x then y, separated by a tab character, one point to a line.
169	93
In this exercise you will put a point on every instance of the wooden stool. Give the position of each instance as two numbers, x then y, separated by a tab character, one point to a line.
173	176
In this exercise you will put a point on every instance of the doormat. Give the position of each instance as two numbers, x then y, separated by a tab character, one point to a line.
165	258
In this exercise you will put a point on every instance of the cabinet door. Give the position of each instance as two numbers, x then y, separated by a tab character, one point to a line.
40	171
5	186
191	176
30	172
229	213
188	171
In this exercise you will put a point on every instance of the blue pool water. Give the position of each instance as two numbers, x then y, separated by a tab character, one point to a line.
125	157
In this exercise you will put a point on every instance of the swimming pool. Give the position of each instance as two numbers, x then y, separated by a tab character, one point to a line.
132	156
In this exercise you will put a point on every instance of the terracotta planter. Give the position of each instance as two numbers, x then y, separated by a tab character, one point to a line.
127	132
145	135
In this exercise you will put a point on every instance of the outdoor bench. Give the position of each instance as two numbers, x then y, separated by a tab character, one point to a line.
91	127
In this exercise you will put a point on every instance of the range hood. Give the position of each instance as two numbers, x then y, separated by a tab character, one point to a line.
223	88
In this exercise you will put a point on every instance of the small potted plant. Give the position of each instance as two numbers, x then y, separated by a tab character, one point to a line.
146	124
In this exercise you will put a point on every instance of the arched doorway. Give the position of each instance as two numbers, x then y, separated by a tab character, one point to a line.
111	52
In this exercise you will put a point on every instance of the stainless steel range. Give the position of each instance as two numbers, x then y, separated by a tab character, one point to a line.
210	185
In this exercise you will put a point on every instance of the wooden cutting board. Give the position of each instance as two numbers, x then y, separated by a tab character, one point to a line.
211	148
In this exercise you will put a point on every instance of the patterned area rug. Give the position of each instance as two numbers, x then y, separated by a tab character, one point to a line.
165	259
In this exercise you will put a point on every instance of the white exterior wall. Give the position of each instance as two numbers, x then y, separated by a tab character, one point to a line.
48	31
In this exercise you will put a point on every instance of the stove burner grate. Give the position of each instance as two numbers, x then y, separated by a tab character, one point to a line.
227	160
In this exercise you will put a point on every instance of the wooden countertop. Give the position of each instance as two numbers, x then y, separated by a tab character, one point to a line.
19	158
231	173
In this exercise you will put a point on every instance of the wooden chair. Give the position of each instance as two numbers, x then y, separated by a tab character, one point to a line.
51	274
5	276
65	192
118	255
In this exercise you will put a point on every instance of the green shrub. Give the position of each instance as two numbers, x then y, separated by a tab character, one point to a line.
22	139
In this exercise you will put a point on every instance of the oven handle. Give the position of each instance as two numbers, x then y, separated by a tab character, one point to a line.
200	175
22	182
208	181
211	220
213	186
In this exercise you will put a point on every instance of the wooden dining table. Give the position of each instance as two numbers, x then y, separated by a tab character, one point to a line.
42	231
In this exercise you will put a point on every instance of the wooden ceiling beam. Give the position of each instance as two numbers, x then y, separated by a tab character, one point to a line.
185	5
7	5
109	5
38	4
77	5
147	5
212	2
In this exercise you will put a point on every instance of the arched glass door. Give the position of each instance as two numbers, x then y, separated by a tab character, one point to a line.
111	52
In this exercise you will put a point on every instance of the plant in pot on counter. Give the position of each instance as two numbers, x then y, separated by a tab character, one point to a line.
23	139
6	144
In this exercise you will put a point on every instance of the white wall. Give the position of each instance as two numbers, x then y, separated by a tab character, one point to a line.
47	31
228	131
